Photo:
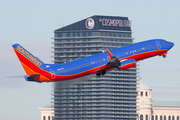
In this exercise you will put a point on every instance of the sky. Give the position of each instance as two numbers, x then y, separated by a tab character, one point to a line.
32	23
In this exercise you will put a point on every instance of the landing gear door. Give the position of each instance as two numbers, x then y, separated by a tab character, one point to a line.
158	44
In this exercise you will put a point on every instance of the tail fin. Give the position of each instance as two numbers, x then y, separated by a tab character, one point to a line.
30	63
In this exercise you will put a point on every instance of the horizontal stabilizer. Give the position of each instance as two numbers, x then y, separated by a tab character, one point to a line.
35	76
32	78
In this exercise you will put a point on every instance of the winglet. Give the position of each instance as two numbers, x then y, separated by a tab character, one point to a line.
109	53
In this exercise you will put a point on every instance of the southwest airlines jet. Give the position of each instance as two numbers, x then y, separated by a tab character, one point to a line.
120	58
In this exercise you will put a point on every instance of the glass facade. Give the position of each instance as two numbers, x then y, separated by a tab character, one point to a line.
112	96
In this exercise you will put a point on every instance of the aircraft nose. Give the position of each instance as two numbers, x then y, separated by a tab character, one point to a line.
171	44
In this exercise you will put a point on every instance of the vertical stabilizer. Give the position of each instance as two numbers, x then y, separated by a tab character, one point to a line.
30	63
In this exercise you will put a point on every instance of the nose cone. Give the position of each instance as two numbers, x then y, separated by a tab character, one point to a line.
171	44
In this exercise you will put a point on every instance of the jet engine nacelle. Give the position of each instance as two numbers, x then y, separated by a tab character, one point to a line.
125	64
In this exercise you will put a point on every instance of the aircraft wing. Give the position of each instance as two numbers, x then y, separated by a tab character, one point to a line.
115	63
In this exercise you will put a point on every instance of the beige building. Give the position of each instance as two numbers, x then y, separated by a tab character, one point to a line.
147	110
155	110
47	113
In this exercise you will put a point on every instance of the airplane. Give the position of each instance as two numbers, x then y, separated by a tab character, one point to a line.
121	58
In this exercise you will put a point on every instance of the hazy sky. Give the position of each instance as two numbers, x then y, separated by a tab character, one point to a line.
31	24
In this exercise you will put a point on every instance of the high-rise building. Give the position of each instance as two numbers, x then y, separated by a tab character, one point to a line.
112	96
148	109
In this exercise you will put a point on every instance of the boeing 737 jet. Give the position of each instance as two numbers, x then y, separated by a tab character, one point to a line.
121	58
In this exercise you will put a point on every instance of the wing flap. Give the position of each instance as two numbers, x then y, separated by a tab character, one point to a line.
34	77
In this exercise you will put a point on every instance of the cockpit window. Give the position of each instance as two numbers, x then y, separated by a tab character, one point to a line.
164	41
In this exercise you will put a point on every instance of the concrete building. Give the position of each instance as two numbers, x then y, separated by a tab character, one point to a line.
47	113
112	96
155	110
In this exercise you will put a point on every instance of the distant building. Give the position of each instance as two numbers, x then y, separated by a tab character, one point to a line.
147	109
47	113
155	110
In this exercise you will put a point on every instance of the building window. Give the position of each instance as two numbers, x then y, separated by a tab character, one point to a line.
141	93
161	117
89	33
164	117
152	117
173	118
156	117
95	33
110	34
177	117
68	34
146	94
49	118
44	118
74	34
141	117
146	117
169	118
52	117
63	34
78	34
58	34
83	34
